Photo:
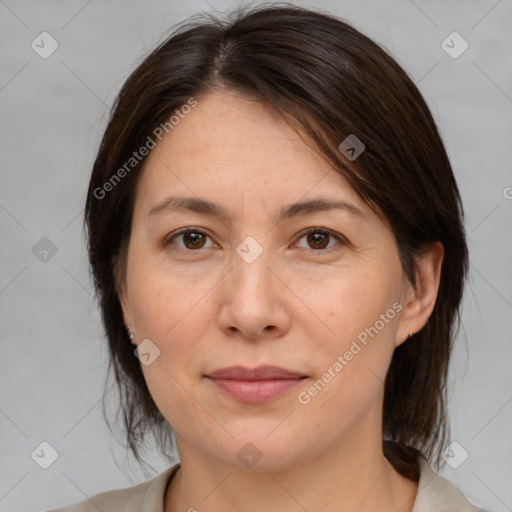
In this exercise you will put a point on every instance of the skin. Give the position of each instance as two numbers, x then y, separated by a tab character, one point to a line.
296	306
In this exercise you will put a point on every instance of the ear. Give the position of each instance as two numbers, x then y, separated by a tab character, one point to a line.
120	286
127	317
419	301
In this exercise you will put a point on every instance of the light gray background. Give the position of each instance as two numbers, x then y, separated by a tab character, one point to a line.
52	355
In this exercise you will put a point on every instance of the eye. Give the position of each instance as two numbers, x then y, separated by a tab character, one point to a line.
192	239
319	239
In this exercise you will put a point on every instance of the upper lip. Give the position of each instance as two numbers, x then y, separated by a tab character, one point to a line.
259	373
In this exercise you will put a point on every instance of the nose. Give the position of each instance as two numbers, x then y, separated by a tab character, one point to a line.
253	300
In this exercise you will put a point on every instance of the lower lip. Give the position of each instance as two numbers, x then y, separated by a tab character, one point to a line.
256	390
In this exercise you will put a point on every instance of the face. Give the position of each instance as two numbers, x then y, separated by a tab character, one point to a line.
315	290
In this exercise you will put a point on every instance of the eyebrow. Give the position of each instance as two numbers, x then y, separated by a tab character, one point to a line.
198	205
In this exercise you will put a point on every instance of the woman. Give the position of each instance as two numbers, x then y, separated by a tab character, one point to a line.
276	232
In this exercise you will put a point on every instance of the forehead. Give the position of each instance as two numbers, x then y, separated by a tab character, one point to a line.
233	149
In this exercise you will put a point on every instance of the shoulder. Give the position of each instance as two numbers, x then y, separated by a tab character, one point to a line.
148	495
437	494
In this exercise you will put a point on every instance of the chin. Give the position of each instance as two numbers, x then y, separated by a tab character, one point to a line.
258	451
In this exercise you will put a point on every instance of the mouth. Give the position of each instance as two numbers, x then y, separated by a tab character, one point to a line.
255	385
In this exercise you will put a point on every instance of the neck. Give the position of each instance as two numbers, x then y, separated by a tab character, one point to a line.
348	480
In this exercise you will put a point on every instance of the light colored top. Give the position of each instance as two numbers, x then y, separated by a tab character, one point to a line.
435	494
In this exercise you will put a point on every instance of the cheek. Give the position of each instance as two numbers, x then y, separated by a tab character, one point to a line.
167	313
360	315
350	374
173	312
162	301
170	392
350	302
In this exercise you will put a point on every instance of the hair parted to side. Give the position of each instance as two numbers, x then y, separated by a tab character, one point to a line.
328	81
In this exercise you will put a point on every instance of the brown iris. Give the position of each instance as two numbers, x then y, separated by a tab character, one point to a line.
194	240
318	240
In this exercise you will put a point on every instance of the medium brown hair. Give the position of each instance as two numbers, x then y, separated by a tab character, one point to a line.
328	81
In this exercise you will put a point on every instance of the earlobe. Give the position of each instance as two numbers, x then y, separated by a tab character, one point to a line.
131	334
420	300
127	318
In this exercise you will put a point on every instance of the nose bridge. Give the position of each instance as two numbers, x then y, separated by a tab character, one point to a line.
250	300
250	263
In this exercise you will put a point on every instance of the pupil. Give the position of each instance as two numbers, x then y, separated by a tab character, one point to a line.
319	240
194	238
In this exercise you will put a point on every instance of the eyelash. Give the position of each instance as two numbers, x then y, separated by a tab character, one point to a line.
340	239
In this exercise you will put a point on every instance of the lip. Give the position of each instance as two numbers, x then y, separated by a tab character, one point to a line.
255	385
260	373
